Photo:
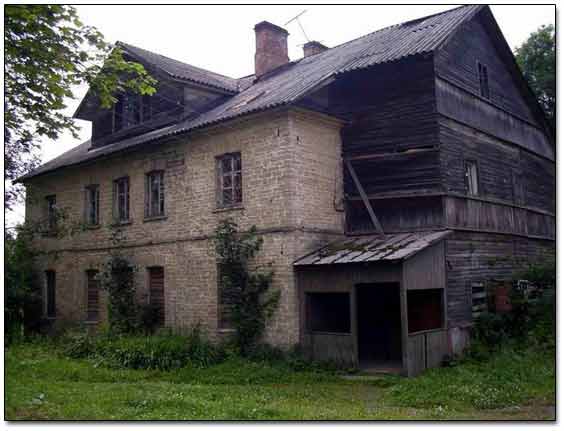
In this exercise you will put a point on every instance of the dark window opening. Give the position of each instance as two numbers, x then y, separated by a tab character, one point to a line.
121	199
50	292
92	204
424	309
51	212
484	80
93	296
229	180
328	312
131	110
156	293
471	177
155	194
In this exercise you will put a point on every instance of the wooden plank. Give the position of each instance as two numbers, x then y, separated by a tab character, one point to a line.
436	348
416	362
360	189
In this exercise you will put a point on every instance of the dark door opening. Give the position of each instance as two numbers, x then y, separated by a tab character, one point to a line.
379	326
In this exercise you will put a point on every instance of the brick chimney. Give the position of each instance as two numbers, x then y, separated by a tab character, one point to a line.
313	47
272	47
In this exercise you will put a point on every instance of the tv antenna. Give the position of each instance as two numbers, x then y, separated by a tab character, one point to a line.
297	19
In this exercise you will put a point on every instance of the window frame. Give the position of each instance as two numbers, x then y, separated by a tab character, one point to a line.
88	190
484	80
149	176
235	175
50	295
116	200
150	296
92	315
51	212
467	179
142	108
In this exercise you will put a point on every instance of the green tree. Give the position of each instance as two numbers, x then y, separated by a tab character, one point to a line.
48	51
537	60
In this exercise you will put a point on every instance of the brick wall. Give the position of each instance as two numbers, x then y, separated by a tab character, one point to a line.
291	183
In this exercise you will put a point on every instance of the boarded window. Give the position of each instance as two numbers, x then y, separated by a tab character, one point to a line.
328	312
225	303
93	296
121	200
479	299
424	309
92	203
155	200
50	308
51	202
471	177
229	180
484	80
156	293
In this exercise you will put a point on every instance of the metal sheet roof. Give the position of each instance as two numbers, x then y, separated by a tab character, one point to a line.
394	247
290	82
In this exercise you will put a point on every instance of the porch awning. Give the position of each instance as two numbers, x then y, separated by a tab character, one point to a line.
368	248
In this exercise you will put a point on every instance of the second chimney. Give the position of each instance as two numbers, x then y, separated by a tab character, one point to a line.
313	47
272	47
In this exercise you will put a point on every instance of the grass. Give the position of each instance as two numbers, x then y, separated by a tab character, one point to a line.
41	384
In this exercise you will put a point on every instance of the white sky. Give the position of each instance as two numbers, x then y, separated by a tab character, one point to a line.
221	38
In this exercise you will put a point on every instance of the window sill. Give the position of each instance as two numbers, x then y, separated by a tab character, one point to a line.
155	218
122	223
225	330
232	208
92	226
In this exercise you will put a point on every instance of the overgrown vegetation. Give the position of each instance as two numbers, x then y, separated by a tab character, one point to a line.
247	291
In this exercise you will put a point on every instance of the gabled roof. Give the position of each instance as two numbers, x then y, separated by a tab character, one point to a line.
392	248
290	82
179	70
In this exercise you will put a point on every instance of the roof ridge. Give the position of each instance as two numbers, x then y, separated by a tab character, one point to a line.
125	44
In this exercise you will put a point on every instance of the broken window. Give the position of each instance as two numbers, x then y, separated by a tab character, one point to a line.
424	309
230	188
328	312
471	177
93	296
121	200
155	194
51	212
49	304
92	211
484	80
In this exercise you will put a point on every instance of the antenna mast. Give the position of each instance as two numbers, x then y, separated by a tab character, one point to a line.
297	19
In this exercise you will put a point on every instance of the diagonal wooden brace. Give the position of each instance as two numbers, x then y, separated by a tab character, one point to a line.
364	197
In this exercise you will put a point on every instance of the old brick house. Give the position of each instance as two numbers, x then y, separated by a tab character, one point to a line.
417	152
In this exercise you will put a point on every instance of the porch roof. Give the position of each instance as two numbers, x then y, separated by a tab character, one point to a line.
370	248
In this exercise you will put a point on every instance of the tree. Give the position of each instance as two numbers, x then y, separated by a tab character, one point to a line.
48	51
537	60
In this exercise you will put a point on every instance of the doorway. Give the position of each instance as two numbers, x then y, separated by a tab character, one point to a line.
379	327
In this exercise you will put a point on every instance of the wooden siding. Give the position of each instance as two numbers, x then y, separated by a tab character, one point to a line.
426	350
457	61
426	269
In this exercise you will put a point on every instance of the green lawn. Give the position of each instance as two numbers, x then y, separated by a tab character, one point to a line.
42	385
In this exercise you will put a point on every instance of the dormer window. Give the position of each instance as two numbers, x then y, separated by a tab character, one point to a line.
131	110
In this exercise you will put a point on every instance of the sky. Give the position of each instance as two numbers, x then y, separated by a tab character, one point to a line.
221	38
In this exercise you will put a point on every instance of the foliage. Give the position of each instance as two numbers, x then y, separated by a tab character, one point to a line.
48	51
537	59
22	294
249	293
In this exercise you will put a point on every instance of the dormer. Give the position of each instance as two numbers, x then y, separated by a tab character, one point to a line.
183	91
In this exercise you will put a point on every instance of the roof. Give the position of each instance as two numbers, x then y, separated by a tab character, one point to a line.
392	248
290	82
178	69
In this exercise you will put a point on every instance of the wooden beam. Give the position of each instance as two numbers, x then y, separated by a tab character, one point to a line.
409	152
367	204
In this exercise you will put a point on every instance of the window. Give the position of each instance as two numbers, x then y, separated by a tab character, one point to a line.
424	309
225	303
328	312
92	210
49	305
51	212
229	180
93	296
154	201
130	110
484	80
121	200
471	177
156	293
